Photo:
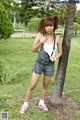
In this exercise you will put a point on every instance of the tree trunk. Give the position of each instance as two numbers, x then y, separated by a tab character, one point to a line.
56	97
14	20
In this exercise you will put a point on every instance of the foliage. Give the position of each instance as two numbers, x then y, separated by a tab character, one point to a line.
26	11
76	27
20	26
9	73
77	17
7	4
33	24
40	8
11	7
6	27
60	10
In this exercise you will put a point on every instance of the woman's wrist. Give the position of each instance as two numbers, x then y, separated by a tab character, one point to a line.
55	59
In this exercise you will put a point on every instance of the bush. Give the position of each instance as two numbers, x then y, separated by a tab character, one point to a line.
6	26
33	24
76	27
20	26
9	73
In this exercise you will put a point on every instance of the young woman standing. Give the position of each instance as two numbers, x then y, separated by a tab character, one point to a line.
45	44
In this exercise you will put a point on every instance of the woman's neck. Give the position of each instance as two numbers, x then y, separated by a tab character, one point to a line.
49	38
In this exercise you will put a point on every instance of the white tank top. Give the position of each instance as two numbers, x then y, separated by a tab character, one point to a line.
48	48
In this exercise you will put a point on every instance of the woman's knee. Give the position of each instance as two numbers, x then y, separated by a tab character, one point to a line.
45	86
32	87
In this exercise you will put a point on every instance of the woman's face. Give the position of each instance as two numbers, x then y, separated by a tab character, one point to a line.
49	29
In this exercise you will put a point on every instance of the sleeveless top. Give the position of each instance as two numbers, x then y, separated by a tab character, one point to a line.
48	48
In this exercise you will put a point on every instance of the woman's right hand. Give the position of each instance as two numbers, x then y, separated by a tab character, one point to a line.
40	39
43	39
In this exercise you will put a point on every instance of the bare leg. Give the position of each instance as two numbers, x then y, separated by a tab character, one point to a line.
46	81
33	83
41	104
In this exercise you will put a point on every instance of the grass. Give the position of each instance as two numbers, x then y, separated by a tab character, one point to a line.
17	56
72	81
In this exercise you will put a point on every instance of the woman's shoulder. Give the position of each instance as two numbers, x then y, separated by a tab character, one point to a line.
39	34
58	39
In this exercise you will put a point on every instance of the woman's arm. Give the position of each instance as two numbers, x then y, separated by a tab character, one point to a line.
59	46
38	41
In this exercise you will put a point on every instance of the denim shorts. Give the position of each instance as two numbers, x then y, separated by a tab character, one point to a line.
46	69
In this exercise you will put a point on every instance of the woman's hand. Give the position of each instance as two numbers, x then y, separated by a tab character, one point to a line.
43	39
53	59
40	39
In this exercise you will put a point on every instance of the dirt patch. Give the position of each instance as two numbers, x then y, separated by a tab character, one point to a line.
69	111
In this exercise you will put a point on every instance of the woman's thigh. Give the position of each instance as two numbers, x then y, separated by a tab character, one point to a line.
35	79
46	80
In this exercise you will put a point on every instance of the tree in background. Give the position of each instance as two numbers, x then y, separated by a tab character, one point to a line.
76	28
77	16
60	10
56	97
12	8
76	25
8	5
40	8
33	24
6	26
26	11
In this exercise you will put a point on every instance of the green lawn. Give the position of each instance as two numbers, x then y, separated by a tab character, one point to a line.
16	63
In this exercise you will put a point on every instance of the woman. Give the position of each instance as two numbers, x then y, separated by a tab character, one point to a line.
45	44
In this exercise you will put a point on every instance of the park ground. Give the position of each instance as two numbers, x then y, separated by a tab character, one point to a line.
16	61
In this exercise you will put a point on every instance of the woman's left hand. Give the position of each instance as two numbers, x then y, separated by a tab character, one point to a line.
53	59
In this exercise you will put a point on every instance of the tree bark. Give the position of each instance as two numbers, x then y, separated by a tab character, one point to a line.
56	97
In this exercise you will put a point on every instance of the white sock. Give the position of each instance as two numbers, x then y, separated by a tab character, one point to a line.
41	101
26	103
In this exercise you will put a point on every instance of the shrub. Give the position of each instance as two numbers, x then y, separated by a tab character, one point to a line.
76	27
9	73
33	24
6	26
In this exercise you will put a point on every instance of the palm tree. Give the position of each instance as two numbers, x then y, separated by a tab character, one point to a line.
56	97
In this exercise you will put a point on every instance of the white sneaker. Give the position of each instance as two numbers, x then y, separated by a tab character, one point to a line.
23	109
43	107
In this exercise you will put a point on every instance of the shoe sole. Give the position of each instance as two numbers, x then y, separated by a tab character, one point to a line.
42	109
23	112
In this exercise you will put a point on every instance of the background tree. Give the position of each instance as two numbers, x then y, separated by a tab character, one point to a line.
76	25
33	24
77	16
60	10
40	8
26	11
8	5
6	26
76	28
12	8
56	97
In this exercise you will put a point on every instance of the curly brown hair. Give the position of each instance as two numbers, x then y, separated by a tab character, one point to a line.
49	21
